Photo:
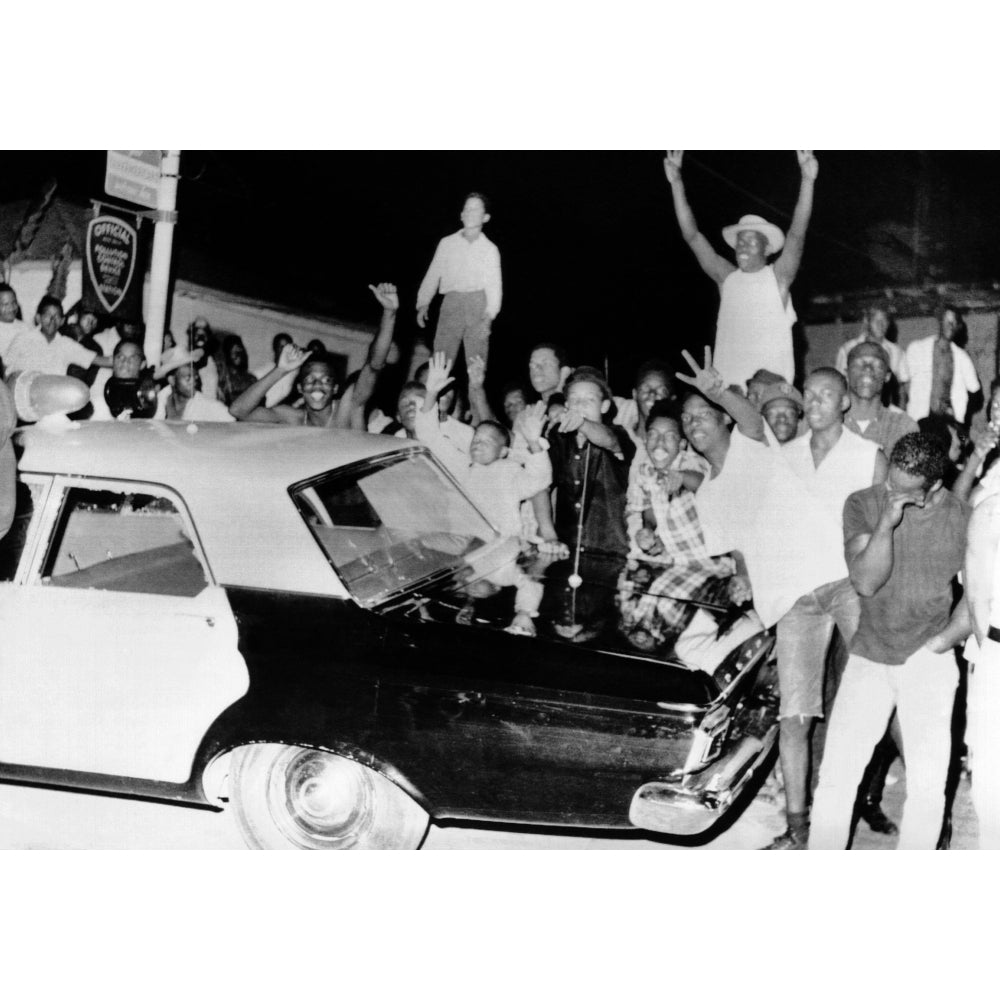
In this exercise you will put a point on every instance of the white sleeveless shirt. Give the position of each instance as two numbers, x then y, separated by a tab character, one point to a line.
754	328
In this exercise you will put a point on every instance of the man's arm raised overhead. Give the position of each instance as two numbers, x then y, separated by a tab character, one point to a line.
786	267
713	387
716	267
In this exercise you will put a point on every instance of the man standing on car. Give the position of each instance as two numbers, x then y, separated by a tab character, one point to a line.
904	543
756	315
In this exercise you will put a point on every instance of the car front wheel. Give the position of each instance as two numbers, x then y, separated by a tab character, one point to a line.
288	798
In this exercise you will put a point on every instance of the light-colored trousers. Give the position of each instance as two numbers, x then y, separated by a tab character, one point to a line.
982	735
922	690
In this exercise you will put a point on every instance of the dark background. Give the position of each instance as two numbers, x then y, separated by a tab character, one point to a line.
592	256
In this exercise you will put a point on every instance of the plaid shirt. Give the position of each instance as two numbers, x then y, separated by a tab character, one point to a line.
676	516
654	591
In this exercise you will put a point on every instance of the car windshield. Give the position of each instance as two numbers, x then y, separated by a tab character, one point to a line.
388	525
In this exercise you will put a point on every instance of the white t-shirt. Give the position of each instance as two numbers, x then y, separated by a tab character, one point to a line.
199	407
849	466
760	508
32	352
8	332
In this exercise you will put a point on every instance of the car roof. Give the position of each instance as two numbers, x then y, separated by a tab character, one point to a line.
233	477
184	450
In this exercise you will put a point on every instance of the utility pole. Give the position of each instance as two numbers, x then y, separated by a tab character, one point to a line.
163	237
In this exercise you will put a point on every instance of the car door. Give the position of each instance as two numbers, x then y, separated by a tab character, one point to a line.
117	649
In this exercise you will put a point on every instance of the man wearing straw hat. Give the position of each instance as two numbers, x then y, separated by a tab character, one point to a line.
754	328
182	400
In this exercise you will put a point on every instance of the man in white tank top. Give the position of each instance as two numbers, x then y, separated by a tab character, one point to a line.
832	463
755	312
982	582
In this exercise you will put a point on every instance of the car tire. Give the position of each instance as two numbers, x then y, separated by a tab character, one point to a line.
289	797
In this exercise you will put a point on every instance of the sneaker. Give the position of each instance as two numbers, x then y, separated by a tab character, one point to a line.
790	840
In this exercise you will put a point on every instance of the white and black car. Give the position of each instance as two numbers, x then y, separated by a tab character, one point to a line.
283	622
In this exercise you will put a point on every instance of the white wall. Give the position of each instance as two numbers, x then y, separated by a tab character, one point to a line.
255	322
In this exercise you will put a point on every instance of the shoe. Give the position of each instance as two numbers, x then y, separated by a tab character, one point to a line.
790	840
944	841
871	813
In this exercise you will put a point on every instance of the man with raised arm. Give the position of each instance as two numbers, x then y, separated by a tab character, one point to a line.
316	381
780	507
755	311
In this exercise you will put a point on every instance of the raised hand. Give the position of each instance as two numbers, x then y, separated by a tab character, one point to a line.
422	316
649	542
808	163
529	422
292	358
672	164
438	374
476	369
898	502
739	590
386	295
706	379
570	421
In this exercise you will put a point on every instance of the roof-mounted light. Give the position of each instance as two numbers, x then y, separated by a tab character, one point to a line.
46	398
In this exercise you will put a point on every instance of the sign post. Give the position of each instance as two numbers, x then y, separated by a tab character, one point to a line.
159	273
149	177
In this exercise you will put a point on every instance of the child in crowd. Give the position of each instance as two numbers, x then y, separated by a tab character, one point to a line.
673	567
682	461
496	483
653	383
590	463
659	473
466	269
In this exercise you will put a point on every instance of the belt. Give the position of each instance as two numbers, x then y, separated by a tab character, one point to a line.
993	633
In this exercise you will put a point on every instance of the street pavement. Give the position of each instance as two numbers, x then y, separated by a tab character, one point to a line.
41	819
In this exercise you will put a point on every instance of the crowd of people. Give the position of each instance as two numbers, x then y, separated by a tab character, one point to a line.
839	511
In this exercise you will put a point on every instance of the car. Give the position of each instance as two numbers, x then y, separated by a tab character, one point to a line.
297	626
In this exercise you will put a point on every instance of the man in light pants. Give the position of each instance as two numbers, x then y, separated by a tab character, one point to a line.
904	544
982	581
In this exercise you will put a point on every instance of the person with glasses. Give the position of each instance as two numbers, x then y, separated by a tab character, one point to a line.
317	382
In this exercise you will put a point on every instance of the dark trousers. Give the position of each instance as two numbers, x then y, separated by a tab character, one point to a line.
462	320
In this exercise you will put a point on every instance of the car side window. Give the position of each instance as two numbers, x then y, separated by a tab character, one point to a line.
12	544
122	541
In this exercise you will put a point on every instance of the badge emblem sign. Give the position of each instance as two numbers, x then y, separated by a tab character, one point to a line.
111	252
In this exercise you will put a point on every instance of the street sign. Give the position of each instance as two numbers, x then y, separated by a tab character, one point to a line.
134	175
112	247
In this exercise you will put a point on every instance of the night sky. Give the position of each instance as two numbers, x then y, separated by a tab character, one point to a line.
592	256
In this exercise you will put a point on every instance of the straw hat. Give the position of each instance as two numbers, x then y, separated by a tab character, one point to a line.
176	357
774	236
